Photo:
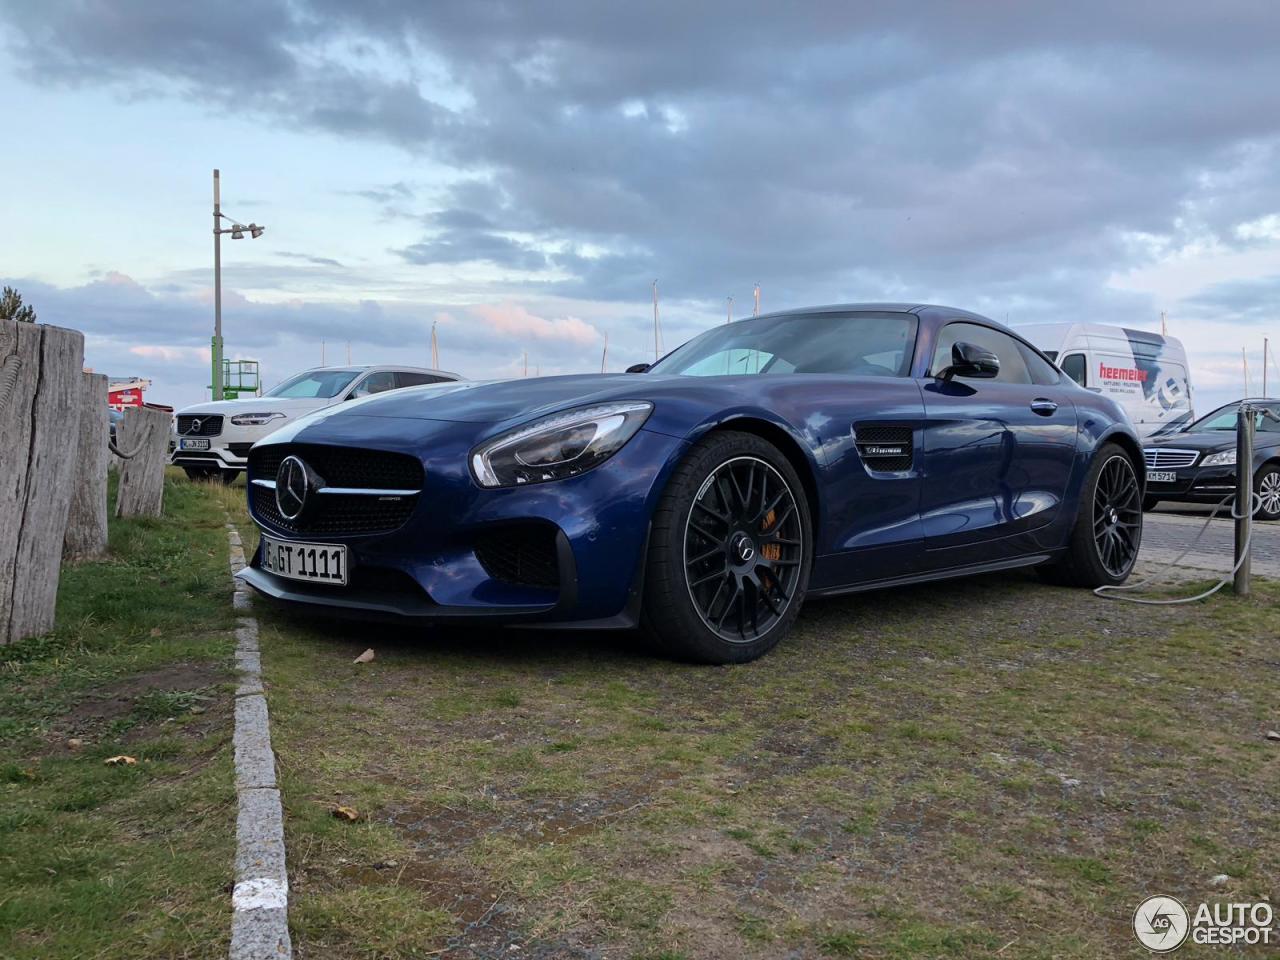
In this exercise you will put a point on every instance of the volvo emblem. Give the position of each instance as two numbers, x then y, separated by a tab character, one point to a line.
293	483
195	425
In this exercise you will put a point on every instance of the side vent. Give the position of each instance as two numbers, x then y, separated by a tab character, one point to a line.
884	449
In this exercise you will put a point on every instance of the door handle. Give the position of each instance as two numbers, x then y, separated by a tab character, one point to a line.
1043	406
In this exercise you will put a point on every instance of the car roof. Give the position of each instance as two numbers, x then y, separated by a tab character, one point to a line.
931	312
366	367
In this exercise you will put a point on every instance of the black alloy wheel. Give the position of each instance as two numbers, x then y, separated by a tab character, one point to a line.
743	549
1117	516
729	554
1267	486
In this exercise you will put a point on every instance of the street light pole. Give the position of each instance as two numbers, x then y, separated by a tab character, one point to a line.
217	290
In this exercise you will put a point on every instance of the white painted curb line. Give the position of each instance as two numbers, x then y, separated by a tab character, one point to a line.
260	900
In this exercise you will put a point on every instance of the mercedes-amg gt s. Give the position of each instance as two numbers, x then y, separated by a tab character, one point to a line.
703	499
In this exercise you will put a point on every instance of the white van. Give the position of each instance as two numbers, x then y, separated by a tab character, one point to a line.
1144	372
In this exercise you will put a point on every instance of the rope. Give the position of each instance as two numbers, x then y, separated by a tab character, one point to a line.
1114	592
111	445
142	442
8	378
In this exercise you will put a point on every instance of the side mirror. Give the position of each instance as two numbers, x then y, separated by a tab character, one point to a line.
638	367
972	362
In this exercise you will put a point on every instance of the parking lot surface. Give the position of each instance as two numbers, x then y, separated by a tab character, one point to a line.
1170	530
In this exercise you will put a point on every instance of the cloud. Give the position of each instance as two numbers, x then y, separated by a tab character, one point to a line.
513	320
169	353
1034	162
309	258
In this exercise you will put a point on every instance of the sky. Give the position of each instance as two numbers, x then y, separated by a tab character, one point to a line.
518	174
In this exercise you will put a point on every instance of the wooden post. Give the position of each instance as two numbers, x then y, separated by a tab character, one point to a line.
143	432
41	369
86	537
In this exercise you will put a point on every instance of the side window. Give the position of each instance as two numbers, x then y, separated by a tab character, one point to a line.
1042	372
1013	368
375	383
1074	366
407	378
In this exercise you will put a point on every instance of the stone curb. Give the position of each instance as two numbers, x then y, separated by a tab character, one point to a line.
260	899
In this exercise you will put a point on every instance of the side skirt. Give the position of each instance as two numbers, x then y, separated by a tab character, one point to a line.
949	574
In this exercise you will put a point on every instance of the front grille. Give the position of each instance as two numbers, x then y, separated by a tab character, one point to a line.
194	425
342	466
334	513
884	448
523	554
1164	458
338	513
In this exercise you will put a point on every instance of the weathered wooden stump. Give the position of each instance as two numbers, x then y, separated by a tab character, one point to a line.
86	536
143	434
40	390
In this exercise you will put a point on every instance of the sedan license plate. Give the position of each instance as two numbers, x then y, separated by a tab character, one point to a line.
314	562
1161	476
193	444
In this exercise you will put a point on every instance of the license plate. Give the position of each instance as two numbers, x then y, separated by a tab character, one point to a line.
1161	476
314	562
193	444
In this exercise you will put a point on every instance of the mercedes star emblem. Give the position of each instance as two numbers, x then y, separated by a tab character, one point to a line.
292	486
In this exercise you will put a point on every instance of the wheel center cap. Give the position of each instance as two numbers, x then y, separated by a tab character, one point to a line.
1115	517
742	548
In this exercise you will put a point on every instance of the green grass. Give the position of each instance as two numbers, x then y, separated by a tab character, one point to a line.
901	779
123	861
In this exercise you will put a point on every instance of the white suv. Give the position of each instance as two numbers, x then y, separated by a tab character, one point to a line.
212	439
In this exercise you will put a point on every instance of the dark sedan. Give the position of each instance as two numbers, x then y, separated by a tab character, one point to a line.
1198	464
806	453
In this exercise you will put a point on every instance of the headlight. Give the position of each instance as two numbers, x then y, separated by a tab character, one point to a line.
1227	458
563	445
255	419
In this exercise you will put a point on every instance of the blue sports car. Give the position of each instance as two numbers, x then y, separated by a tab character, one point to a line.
704	498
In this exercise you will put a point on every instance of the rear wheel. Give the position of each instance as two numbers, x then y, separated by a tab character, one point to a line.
729	552
1108	530
1267	486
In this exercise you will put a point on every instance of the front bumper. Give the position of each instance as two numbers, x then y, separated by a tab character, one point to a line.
1196	485
433	567
228	450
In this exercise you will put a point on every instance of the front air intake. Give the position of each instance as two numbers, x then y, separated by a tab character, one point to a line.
520	553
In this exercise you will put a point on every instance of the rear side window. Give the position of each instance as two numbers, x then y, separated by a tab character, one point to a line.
1074	366
375	383
408	378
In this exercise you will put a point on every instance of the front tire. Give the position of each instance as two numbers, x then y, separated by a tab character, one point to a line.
730	551
197	474
1104	542
1267	486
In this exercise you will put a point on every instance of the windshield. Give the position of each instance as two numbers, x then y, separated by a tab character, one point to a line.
859	344
314	384
1224	418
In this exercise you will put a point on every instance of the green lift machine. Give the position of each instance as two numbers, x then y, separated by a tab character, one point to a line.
239	377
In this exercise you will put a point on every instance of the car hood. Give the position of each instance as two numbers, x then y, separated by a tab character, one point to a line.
292	406
493	401
1205	441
